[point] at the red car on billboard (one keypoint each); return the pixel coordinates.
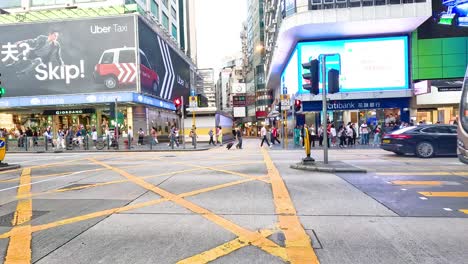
(117, 67)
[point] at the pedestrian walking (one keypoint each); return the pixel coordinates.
(275, 136)
(154, 135)
(377, 135)
(263, 134)
(193, 135)
(239, 138)
(297, 136)
(220, 135)
(210, 133)
(60, 139)
(364, 130)
(333, 135)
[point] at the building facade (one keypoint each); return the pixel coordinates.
(374, 85)
(209, 91)
(54, 79)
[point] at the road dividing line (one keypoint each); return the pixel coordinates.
(247, 235)
(224, 249)
(19, 247)
(445, 194)
(465, 211)
(298, 244)
(432, 183)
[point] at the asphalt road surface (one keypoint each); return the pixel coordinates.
(236, 206)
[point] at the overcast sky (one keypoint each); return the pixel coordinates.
(219, 23)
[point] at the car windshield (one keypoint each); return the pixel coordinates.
(403, 130)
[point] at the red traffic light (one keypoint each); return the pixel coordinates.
(177, 102)
(297, 105)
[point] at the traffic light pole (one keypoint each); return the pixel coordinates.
(324, 111)
(182, 122)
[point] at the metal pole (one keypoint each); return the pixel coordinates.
(285, 139)
(182, 122)
(116, 127)
(324, 111)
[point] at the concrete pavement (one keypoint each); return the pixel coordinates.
(237, 206)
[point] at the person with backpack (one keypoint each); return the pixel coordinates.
(274, 137)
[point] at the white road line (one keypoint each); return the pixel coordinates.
(448, 209)
(51, 179)
(423, 198)
(404, 189)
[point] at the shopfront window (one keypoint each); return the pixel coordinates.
(10, 3)
(49, 2)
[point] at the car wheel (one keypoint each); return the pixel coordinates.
(155, 87)
(425, 150)
(110, 82)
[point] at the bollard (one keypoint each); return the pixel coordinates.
(26, 145)
(87, 142)
(151, 143)
(108, 145)
(129, 144)
(46, 144)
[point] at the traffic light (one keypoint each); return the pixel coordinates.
(297, 105)
(311, 76)
(178, 106)
(333, 81)
(2, 89)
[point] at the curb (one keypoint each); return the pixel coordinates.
(110, 150)
(10, 167)
(330, 169)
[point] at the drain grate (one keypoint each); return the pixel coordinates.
(5, 220)
(316, 244)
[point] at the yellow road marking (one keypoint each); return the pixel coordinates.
(19, 247)
(298, 244)
(445, 194)
(434, 183)
(465, 211)
(253, 237)
(129, 207)
(422, 173)
(117, 181)
(224, 249)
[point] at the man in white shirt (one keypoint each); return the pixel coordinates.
(263, 133)
(364, 134)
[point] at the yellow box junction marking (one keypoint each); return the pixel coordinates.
(465, 211)
(128, 207)
(445, 194)
(19, 247)
(252, 237)
(433, 183)
(298, 244)
(223, 249)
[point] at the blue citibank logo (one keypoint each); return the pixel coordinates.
(2, 143)
(316, 106)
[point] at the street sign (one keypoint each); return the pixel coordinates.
(2, 148)
(193, 102)
(285, 100)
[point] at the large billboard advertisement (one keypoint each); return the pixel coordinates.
(449, 19)
(163, 72)
(68, 57)
(362, 65)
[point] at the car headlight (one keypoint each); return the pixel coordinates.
(460, 143)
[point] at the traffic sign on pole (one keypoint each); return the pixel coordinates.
(285, 100)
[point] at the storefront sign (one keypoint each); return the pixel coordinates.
(357, 104)
(449, 89)
(69, 111)
(422, 87)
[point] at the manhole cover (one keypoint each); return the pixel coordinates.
(5, 220)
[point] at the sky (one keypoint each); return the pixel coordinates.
(218, 23)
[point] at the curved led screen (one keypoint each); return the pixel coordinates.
(367, 64)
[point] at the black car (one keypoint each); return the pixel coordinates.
(425, 141)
